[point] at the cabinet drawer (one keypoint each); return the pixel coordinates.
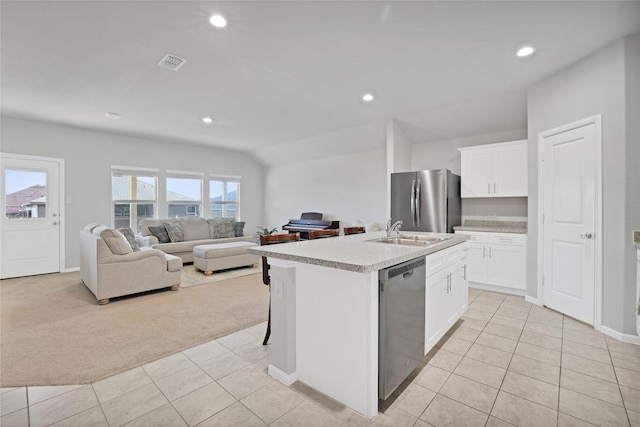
(442, 259)
(507, 239)
(476, 237)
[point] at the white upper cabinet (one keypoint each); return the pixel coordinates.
(494, 170)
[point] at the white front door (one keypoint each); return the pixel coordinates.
(30, 203)
(569, 222)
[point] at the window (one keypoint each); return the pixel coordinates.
(184, 196)
(25, 194)
(134, 196)
(224, 197)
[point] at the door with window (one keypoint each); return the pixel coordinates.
(31, 220)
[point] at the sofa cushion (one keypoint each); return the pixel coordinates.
(153, 222)
(221, 228)
(116, 242)
(174, 231)
(160, 232)
(238, 228)
(194, 228)
(131, 238)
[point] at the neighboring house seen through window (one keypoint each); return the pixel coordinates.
(184, 196)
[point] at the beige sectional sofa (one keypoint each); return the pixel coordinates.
(195, 231)
(110, 268)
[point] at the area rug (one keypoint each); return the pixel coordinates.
(191, 276)
(52, 332)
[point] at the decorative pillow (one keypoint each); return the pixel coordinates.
(194, 228)
(116, 241)
(174, 231)
(238, 228)
(131, 238)
(220, 228)
(161, 233)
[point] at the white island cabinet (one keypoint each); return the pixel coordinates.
(324, 309)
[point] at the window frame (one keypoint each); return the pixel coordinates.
(174, 174)
(225, 179)
(132, 172)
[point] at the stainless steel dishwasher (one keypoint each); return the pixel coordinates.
(401, 323)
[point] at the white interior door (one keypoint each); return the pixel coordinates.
(30, 197)
(569, 185)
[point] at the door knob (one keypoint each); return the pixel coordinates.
(55, 222)
(586, 235)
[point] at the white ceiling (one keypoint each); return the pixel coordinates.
(284, 73)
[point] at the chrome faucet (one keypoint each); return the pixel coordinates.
(391, 228)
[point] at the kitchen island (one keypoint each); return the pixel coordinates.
(324, 308)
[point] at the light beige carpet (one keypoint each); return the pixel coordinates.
(52, 332)
(191, 276)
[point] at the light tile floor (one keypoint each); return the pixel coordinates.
(507, 363)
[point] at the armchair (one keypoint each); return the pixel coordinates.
(108, 274)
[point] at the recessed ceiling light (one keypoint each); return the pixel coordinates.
(218, 21)
(367, 97)
(207, 120)
(525, 51)
(110, 115)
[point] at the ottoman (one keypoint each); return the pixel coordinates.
(220, 256)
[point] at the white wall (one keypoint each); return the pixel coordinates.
(348, 188)
(89, 156)
(595, 85)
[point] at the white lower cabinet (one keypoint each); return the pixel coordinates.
(497, 261)
(446, 292)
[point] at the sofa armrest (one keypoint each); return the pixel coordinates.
(134, 256)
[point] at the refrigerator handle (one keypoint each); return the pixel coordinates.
(413, 202)
(418, 203)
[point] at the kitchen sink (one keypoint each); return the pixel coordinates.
(412, 239)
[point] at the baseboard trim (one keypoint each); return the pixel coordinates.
(494, 288)
(284, 378)
(70, 270)
(532, 300)
(631, 339)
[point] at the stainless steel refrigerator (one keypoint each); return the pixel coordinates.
(427, 200)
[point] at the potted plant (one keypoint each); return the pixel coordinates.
(265, 231)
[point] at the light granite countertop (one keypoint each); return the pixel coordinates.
(519, 227)
(354, 252)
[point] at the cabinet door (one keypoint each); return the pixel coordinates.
(510, 171)
(477, 262)
(434, 327)
(507, 266)
(452, 304)
(476, 173)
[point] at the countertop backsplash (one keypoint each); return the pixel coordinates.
(494, 224)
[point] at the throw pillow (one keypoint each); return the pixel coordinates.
(222, 227)
(194, 228)
(131, 238)
(238, 228)
(116, 241)
(174, 231)
(161, 233)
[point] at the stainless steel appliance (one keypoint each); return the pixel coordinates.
(427, 200)
(401, 323)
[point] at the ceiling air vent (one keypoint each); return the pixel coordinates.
(172, 62)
